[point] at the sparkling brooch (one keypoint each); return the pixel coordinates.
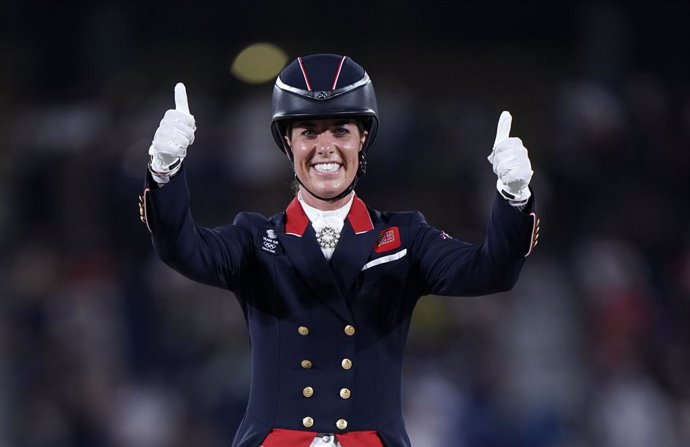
(327, 237)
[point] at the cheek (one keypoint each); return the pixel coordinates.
(353, 150)
(299, 152)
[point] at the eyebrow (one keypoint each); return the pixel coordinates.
(314, 124)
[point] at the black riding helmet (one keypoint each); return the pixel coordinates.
(324, 86)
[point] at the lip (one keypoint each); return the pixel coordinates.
(313, 165)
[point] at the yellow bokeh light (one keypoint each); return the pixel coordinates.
(258, 63)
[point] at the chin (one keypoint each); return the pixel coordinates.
(327, 193)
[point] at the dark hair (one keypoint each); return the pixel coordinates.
(358, 122)
(294, 187)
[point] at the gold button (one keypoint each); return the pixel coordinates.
(346, 363)
(341, 424)
(303, 330)
(349, 330)
(308, 422)
(345, 393)
(306, 364)
(308, 391)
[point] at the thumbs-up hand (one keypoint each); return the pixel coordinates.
(174, 134)
(511, 163)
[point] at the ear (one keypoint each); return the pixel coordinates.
(288, 141)
(363, 138)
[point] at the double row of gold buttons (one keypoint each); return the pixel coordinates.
(308, 391)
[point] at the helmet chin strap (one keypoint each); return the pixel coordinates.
(347, 190)
(361, 170)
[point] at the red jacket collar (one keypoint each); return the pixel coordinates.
(297, 219)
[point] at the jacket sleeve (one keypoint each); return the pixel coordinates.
(214, 256)
(452, 267)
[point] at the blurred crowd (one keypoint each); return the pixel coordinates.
(101, 345)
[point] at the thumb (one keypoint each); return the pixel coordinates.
(181, 103)
(503, 130)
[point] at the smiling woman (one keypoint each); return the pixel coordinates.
(328, 286)
(325, 86)
(325, 155)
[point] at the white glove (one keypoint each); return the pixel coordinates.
(175, 133)
(511, 163)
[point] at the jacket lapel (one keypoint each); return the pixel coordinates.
(301, 247)
(355, 245)
(352, 252)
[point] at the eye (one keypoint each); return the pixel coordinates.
(307, 133)
(340, 131)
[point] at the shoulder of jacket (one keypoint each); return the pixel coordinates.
(403, 218)
(250, 219)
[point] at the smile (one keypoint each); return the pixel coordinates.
(326, 168)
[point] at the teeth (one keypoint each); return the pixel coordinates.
(326, 167)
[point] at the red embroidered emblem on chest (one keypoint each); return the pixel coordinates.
(388, 239)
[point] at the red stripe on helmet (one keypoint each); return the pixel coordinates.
(304, 73)
(337, 73)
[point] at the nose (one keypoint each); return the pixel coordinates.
(325, 144)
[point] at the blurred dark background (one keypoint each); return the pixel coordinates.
(102, 345)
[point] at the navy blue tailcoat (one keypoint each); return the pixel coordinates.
(327, 338)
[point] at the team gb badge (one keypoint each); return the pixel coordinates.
(269, 241)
